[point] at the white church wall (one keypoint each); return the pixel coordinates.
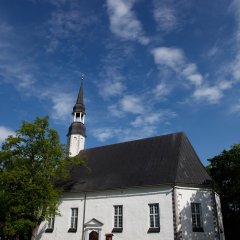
(100, 206)
(184, 198)
(135, 202)
(63, 221)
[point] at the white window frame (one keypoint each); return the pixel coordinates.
(74, 218)
(154, 216)
(118, 216)
(196, 210)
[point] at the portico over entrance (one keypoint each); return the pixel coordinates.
(93, 230)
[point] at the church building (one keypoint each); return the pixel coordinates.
(148, 189)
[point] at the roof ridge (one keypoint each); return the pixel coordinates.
(135, 140)
(185, 140)
(178, 154)
(199, 160)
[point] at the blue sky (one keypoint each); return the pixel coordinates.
(151, 67)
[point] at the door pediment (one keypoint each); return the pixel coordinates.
(93, 223)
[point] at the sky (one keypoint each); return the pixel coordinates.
(150, 67)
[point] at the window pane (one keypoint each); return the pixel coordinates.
(120, 221)
(151, 221)
(151, 209)
(120, 210)
(156, 221)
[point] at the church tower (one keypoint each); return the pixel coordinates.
(77, 130)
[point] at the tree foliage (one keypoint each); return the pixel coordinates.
(225, 170)
(30, 163)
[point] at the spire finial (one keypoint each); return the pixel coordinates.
(82, 77)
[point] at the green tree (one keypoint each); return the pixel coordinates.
(225, 170)
(30, 164)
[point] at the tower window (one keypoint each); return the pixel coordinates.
(77, 117)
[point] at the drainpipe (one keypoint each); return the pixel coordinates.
(84, 208)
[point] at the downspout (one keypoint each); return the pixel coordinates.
(84, 208)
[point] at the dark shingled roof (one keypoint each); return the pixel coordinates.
(168, 159)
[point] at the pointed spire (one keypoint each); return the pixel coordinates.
(79, 106)
(80, 95)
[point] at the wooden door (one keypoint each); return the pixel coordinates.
(93, 235)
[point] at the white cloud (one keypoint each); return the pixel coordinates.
(229, 75)
(62, 103)
(175, 59)
(14, 68)
(213, 51)
(5, 29)
(4, 133)
(104, 134)
(191, 73)
(145, 125)
(195, 78)
(151, 119)
(111, 87)
(27, 80)
(17, 73)
(139, 133)
(224, 85)
(111, 77)
(116, 111)
(161, 90)
(67, 21)
(146, 119)
(234, 66)
(132, 104)
(165, 15)
(235, 108)
(123, 22)
(210, 94)
(171, 57)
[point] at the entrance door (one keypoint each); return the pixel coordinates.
(93, 235)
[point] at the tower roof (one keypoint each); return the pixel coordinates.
(77, 128)
(79, 106)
